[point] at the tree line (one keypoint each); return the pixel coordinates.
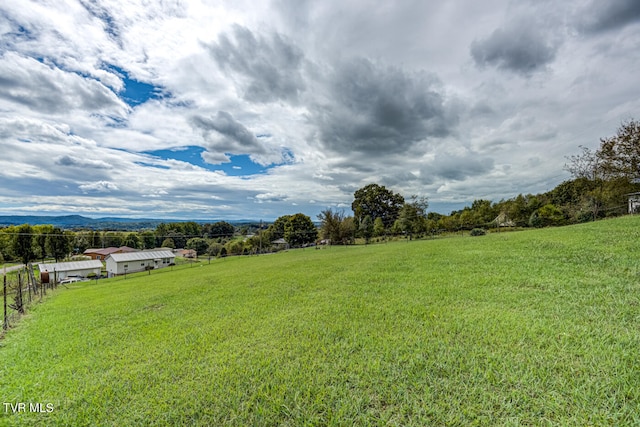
(28, 243)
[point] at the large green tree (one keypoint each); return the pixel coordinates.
(23, 245)
(191, 229)
(619, 155)
(148, 239)
(366, 228)
(7, 236)
(376, 201)
(58, 243)
(219, 229)
(112, 239)
(132, 240)
(179, 239)
(277, 229)
(300, 230)
(198, 244)
(336, 227)
(412, 218)
(80, 242)
(40, 239)
(590, 171)
(168, 243)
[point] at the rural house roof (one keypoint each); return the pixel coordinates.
(69, 266)
(141, 256)
(110, 250)
(187, 253)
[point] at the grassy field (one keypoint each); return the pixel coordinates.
(538, 327)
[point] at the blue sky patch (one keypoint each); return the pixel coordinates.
(136, 92)
(240, 165)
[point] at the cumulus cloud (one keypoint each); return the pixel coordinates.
(270, 197)
(28, 129)
(226, 136)
(270, 66)
(609, 15)
(457, 166)
(399, 178)
(378, 110)
(46, 88)
(73, 161)
(98, 187)
(523, 46)
(108, 20)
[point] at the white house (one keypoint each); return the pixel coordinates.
(64, 270)
(132, 262)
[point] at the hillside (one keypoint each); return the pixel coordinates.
(530, 328)
(80, 222)
(108, 223)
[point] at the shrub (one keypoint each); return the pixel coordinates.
(214, 249)
(478, 232)
(548, 215)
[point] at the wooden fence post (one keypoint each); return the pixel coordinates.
(19, 306)
(26, 272)
(5, 325)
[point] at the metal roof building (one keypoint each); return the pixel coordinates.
(138, 261)
(62, 270)
(103, 253)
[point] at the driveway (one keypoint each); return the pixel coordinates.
(12, 268)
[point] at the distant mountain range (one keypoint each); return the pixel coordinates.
(69, 222)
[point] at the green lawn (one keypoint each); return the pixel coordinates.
(537, 327)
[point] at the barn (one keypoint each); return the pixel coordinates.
(138, 261)
(65, 270)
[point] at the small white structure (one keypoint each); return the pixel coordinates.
(64, 270)
(634, 203)
(138, 261)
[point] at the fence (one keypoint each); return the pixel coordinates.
(179, 264)
(19, 291)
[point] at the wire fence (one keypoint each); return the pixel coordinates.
(20, 290)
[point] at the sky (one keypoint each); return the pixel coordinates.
(197, 109)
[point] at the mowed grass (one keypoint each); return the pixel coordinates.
(536, 328)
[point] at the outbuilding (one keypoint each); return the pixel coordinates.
(132, 262)
(103, 253)
(634, 202)
(63, 270)
(280, 244)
